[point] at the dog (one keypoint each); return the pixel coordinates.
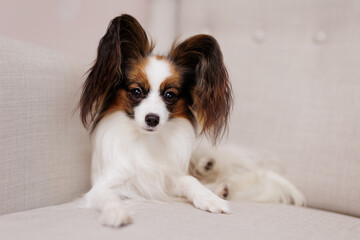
(236, 174)
(146, 114)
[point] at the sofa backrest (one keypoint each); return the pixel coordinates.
(295, 69)
(44, 151)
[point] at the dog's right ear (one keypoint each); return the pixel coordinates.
(125, 40)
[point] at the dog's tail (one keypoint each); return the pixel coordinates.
(265, 186)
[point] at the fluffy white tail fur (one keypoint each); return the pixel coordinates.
(265, 186)
(233, 173)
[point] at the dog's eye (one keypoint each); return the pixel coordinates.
(136, 93)
(170, 97)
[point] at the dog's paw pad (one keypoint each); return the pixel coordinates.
(209, 164)
(115, 216)
(205, 166)
(222, 191)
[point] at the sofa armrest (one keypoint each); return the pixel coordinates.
(44, 151)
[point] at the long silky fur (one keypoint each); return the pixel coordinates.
(202, 64)
(134, 159)
(124, 41)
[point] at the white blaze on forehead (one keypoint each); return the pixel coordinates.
(157, 71)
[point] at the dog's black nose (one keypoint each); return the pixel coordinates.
(152, 120)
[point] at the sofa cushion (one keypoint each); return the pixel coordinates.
(182, 221)
(295, 71)
(44, 150)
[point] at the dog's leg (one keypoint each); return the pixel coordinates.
(205, 166)
(104, 197)
(200, 196)
(222, 190)
(206, 171)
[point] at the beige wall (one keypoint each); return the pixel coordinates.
(71, 26)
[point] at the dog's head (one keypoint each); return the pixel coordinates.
(191, 82)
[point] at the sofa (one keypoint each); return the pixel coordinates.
(295, 73)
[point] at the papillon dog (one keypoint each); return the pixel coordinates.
(237, 174)
(147, 114)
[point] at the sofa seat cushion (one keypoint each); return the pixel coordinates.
(182, 221)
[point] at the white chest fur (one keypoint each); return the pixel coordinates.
(143, 162)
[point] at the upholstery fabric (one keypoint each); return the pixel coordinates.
(182, 221)
(44, 151)
(295, 69)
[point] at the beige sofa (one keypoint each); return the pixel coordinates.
(297, 98)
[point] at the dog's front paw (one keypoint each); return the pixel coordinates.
(115, 216)
(212, 203)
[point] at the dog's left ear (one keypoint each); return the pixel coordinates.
(201, 60)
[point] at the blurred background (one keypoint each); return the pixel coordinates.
(294, 65)
(71, 26)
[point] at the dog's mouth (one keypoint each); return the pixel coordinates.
(149, 129)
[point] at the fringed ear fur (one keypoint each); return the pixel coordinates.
(125, 40)
(201, 60)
